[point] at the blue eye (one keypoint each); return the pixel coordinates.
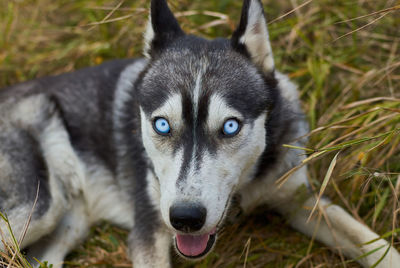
(231, 127)
(161, 126)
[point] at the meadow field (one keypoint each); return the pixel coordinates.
(343, 54)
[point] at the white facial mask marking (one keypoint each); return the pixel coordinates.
(213, 183)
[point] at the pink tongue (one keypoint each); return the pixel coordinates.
(192, 245)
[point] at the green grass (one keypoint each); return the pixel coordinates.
(349, 86)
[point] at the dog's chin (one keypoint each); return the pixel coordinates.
(195, 247)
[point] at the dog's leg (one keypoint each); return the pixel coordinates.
(149, 240)
(340, 230)
(71, 230)
(65, 175)
(153, 252)
(35, 148)
(335, 228)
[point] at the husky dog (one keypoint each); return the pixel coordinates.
(160, 146)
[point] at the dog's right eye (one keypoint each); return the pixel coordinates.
(161, 126)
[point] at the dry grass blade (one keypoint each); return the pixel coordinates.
(290, 12)
(368, 101)
(324, 184)
(357, 141)
(247, 248)
(282, 180)
(299, 148)
(113, 7)
(109, 14)
(360, 28)
(346, 120)
(380, 206)
(26, 226)
(386, 10)
(212, 24)
(109, 21)
(12, 257)
(17, 259)
(187, 13)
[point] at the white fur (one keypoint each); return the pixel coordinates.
(256, 38)
(27, 112)
(172, 111)
(105, 199)
(287, 88)
(168, 178)
(61, 159)
(219, 111)
(148, 38)
(196, 94)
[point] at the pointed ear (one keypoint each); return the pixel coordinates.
(251, 36)
(162, 28)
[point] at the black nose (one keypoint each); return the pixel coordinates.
(187, 217)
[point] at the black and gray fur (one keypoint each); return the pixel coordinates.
(85, 142)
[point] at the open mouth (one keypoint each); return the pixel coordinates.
(195, 246)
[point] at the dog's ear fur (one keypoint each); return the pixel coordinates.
(251, 36)
(162, 28)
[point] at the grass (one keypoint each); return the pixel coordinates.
(344, 55)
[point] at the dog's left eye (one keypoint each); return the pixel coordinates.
(161, 126)
(231, 127)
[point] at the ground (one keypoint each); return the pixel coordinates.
(344, 55)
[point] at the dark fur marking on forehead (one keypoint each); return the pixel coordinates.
(195, 137)
(151, 96)
(204, 139)
(251, 103)
(188, 136)
(187, 108)
(187, 139)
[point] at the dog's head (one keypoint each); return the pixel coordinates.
(204, 106)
